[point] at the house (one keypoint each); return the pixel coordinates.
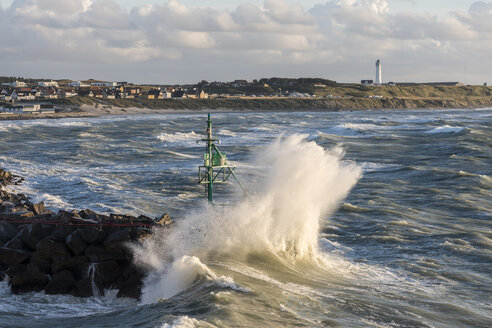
(133, 91)
(45, 84)
(22, 94)
(199, 94)
(155, 94)
(67, 93)
(126, 95)
(36, 93)
(12, 110)
(166, 94)
(15, 84)
(50, 93)
(85, 92)
(28, 109)
(78, 84)
(104, 84)
(47, 108)
(109, 94)
(367, 82)
(97, 93)
(178, 94)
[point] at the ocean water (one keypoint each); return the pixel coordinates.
(352, 219)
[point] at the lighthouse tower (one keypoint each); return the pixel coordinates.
(379, 79)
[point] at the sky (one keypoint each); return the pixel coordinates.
(186, 41)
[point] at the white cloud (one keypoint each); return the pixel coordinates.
(276, 35)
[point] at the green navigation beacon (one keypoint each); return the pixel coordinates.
(215, 168)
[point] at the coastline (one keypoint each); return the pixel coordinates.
(184, 106)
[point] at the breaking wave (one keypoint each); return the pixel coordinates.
(446, 129)
(303, 183)
(179, 137)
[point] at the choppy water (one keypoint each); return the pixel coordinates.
(410, 245)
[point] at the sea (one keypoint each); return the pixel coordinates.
(348, 219)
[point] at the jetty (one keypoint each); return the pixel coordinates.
(77, 252)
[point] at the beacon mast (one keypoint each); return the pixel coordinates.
(379, 79)
(215, 168)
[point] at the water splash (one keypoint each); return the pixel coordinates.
(91, 272)
(303, 183)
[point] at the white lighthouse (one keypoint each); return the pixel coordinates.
(379, 79)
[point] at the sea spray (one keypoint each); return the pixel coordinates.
(303, 183)
(91, 272)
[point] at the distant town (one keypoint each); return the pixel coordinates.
(23, 95)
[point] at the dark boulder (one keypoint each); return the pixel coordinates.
(118, 217)
(67, 216)
(61, 283)
(108, 272)
(145, 219)
(97, 254)
(49, 249)
(34, 232)
(78, 265)
(7, 232)
(87, 213)
(60, 232)
(92, 234)
(119, 236)
(130, 282)
(87, 287)
(15, 269)
(23, 197)
(83, 288)
(75, 243)
(31, 279)
(118, 251)
(11, 256)
(16, 242)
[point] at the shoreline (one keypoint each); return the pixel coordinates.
(119, 111)
(194, 106)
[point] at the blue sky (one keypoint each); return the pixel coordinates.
(184, 41)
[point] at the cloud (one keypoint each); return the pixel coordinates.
(277, 36)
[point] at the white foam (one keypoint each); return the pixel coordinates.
(181, 322)
(224, 132)
(41, 305)
(228, 282)
(52, 201)
(181, 154)
(446, 129)
(358, 127)
(168, 280)
(179, 137)
(373, 167)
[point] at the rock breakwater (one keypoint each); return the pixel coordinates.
(81, 253)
